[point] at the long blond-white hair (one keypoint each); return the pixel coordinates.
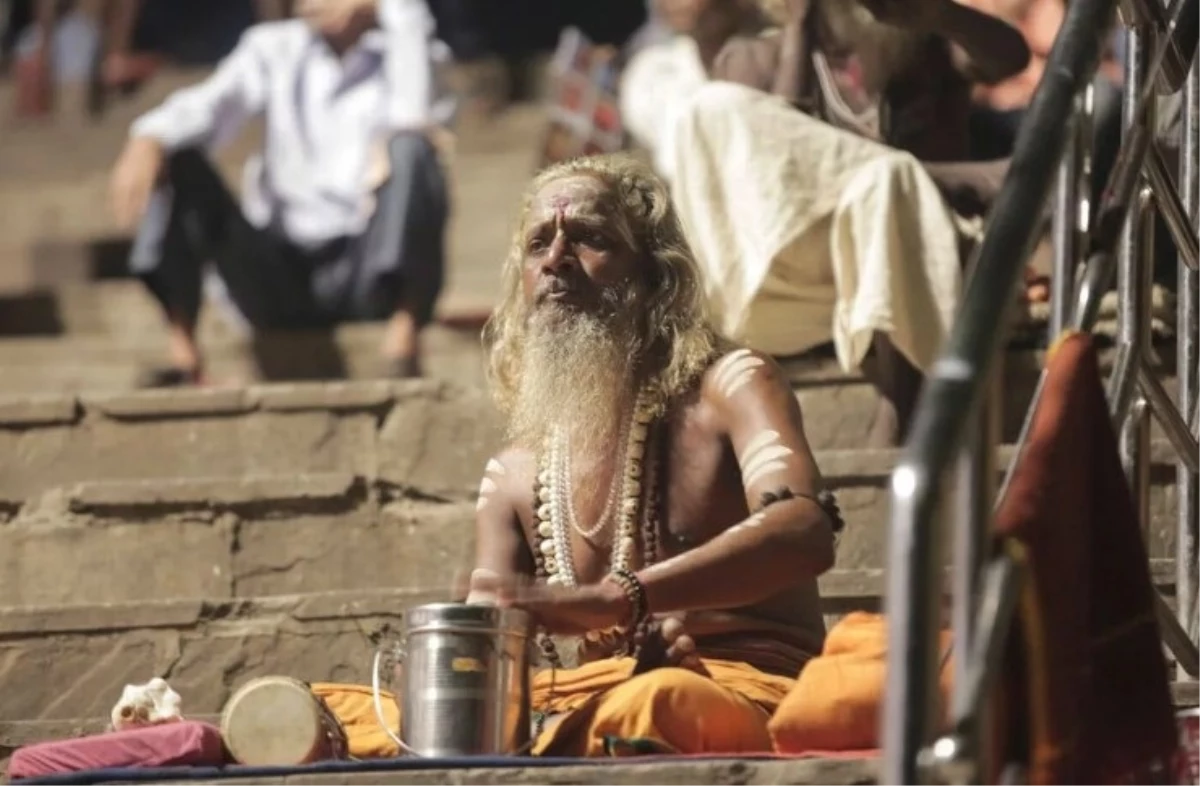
(675, 340)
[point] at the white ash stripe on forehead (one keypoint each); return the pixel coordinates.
(494, 467)
(764, 456)
(735, 370)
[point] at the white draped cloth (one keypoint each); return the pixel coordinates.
(656, 86)
(808, 234)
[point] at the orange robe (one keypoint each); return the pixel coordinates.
(667, 710)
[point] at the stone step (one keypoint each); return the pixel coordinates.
(74, 660)
(838, 407)
(66, 665)
(304, 502)
(33, 366)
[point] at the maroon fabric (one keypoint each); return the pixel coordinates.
(186, 743)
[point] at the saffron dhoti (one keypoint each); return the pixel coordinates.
(668, 710)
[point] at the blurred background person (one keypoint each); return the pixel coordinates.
(343, 214)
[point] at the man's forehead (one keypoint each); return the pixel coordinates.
(568, 195)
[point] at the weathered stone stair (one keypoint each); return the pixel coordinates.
(212, 536)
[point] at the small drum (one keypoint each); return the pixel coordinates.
(279, 721)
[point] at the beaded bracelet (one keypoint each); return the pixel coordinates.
(635, 592)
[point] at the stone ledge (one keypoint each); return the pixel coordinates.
(280, 397)
(333, 396)
(848, 466)
(40, 411)
(151, 404)
(839, 588)
(682, 771)
(43, 620)
(870, 583)
(105, 618)
(14, 734)
(218, 491)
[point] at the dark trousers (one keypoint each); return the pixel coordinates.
(193, 220)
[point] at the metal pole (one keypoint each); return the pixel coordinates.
(976, 494)
(953, 387)
(1134, 277)
(1069, 213)
(1187, 541)
(1063, 232)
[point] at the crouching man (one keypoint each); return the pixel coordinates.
(659, 497)
(343, 214)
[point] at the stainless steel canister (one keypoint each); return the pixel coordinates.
(462, 679)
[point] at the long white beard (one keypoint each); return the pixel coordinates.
(576, 375)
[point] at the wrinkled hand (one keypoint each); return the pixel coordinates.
(667, 643)
(912, 14)
(133, 179)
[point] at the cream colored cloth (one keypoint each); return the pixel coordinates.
(808, 234)
(655, 87)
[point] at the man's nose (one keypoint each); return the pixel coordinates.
(560, 254)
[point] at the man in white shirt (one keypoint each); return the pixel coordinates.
(343, 214)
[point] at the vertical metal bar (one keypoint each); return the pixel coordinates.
(1134, 277)
(1072, 212)
(1065, 228)
(976, 493)
(1187, 539)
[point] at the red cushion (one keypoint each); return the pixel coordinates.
(183, 743)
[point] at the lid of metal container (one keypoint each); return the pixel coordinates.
(434, 616)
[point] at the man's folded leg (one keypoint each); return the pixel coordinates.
(668, 710)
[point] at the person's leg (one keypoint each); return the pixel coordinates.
(35, 70)
(898, 383)
(665, 710)
(191, 220)
(401, 258)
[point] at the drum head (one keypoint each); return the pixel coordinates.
(273, 722)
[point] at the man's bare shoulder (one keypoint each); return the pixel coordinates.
(741, 371)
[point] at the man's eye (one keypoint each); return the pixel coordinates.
(536, 245)
(596, 240)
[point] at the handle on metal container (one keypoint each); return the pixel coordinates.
(375, 694)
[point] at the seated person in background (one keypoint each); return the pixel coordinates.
(831, 223)
(659, 79)
(653, 470)
(345, 214)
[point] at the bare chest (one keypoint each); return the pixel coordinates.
(691, 492)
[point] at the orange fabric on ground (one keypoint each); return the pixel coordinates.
(675, 708)
(354, 708)
(836, 702)
(1083, 696)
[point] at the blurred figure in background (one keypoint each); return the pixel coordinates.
(344, 214)
(817, 182)
(661, 77)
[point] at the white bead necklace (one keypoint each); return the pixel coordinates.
(554, 500)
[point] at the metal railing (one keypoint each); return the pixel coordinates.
(955, 423)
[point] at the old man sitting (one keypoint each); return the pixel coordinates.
(658, 495)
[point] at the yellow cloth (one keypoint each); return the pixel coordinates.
(675, 709)
(836, 702)
(355, 710)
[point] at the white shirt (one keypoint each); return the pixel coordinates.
(326, 117)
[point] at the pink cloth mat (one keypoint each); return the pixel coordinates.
(186, 743)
